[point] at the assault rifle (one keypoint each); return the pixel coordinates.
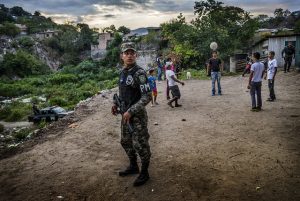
(121, 110)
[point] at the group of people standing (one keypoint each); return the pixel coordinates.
(258, 69)
(137, 89)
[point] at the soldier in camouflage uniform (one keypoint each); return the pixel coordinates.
(135, 94)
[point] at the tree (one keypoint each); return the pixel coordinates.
(5, 17)
(18, 11)
(9, 29)
(262, 17)
(110, 29)
(23, 64)
(4, 14)
(3, 8)
(37, 13)
(231, 27)
(286, 13)
(86, 36)
(124, 30)
(278, 13)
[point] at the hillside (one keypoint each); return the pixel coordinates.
(51, 44)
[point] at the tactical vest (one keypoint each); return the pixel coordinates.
(129, 91)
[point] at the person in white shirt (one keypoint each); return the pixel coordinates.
(171, 77)
(272, 70)
(255, 78)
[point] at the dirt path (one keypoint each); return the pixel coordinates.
(221, 152)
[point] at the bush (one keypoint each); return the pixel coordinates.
(58, 101)
(9, 29)
(16, 89)
(22, 134)
(15, 115)
(23, 64)
(15, 111)
(26, 42)
(42, 124)
(60, 78)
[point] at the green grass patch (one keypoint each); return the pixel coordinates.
(196, 74)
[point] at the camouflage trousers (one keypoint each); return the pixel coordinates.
(136, 142)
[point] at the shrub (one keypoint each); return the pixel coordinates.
(22, 134)
(23, 64)
(15, 111)
(16, 89)
(15, 115)
(58, 101)
(42, 124)
(26, 42)
(4, 112)
(60, 78)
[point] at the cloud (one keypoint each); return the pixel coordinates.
(109, 16)
(134, 13)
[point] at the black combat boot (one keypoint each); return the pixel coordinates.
(133, 168)
(144, 175)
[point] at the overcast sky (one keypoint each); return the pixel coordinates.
(135, 13)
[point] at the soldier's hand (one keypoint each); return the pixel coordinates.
(114, 110)
(249, 86)
(126, 117)
(182, 83)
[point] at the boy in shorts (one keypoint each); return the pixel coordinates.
(152, 83)
(171, 77)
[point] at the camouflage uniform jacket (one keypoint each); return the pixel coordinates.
(134, 89)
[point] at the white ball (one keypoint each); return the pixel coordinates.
(213, 45)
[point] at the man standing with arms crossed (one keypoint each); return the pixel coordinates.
(135, 94)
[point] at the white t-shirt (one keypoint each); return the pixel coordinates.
(169, 73)
(258, 68)
(272, 64)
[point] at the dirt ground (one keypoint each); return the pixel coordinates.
(221, 152)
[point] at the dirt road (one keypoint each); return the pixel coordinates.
(221, 152)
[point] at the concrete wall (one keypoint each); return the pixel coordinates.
(146, 58)
(98, 51)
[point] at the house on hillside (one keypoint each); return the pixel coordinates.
(46, 34)
(276, 43)
(140, 32)
(23, 29)
(99, 51)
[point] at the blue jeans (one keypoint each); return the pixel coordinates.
(216, 76)
(256, 89)
(159, 73)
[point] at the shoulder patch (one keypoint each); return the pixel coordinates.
(142, 79)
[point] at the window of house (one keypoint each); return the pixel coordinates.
(293, 43)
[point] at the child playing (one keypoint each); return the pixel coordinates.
(272, 70)
(255, 78)
(168, 63)
(171, 77)
(152, 83)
